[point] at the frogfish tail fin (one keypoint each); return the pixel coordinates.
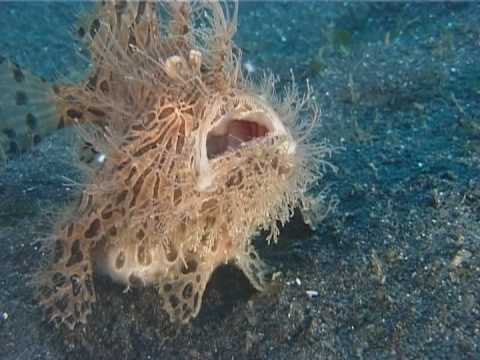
(28, 109)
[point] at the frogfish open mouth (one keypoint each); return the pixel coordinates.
(190, 157)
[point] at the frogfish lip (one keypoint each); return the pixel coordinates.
(234, 130)
(238, 129)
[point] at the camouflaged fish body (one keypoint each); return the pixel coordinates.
(194, 159)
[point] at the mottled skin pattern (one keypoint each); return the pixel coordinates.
(193, 159)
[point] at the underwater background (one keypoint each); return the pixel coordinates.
(393, 273)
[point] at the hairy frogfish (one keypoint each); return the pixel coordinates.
(191, 157)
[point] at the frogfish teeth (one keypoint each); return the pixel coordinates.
(196, 159)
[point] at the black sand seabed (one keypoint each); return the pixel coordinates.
(396, 268)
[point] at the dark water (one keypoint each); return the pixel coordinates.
(395, 269)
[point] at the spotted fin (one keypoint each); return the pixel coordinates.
(130, 22)
(27, 109)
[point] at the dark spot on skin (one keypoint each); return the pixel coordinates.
(45, 292)
(140, 234)
(94, 27)
(120, 8)
(135, 281)
(148, 119)
(121, 197)
(190, 267)
(92, 82)
(186, 314)
(31, 121)
(143, 150)
(120, 260)
(49, 311)
(21, 98)
(138, 186)
(61, 123)
(70, 321)
(96, 112)
(123, 164)
(74, 114)
(166, 113)
(76, 254)
(59, 279)
(195, 300)
(132, 40)
(84, 307)
(185, 29)
(131, 174)
(187, 291)
(58, 251)
(10, 133)
(77, 310)
(112, 231)
(104, 87)
(89, 285)
(81, 32)
(143, 256)
(174, 301)
(70, 229)
(93, 229)
(156, 187)
(140, 11)
(171, 253)
(62, 303)
(76, 285)
(87, 152)
(56, 89)
(177, 196)
(18, 74)
(107, 213)
(36, 139)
